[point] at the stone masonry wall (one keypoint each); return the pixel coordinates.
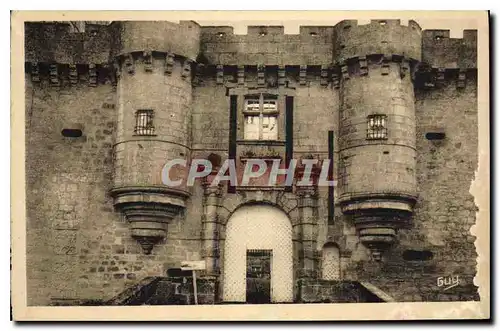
(210, 119)
(78, 246)
(69, 214)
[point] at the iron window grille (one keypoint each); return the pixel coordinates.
(144, 122)
(377, 127)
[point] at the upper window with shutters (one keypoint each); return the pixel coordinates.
(261, 118)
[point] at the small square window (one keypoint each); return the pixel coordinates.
(377, 128)
(144, 122)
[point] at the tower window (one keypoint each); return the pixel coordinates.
(144, 122)
(261, 119)
(377, 128)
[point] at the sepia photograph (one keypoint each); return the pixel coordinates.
(222, 161)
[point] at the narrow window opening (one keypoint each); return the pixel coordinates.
(435, 135)
(71, 132)
(382, 22)
(144, 122)
(313, 34)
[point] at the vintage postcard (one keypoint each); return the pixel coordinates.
(250, 165)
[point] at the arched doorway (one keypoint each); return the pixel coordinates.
(330, 262)
(258, 247)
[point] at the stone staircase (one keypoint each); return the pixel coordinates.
(334, 291)
(179, 291)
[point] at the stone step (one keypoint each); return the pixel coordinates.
(179, 291)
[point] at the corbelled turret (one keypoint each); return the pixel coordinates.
(377, 126)
(153, 62)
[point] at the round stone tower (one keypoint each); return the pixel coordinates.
(153, 67)
(377, 159)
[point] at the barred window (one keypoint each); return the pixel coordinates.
(377, 128)
(261, 119)
(144, 122)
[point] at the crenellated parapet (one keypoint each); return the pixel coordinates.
(447, 60)
(328, 53)
(267, 44)
(378, 37)
(182, 39)
(441, 51)
(60, 55)
(48, 42)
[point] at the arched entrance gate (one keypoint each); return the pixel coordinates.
(258, 256)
